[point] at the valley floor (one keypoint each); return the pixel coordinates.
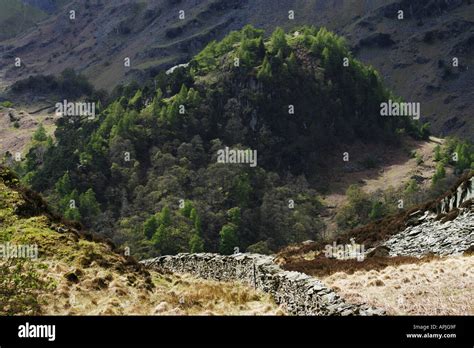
(396, 167)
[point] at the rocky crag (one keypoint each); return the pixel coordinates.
(299, 294)
(435, 237)
(446, 228)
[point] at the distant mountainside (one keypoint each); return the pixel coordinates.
(151, 33)
(48, 6)
(16, 17)
(414, 55)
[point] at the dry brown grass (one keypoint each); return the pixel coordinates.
(439, 287)
(107, 292)
(319, 265)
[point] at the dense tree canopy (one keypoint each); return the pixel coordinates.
(145, 171)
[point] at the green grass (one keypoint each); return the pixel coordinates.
(6, 104)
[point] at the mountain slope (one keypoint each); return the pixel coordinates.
(69, 271)
(399, 229)
(420, 48)
(48, 6)
(416, 57)
(16, 17)
(150, 33)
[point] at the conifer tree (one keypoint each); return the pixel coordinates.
(439, 174)
(196, 244)
(292, 62)
(63, 185)
(265, 72)
(137, 99)
(278, 41)
(165, 216)
(437, 153)
(228, 239)
(72, 214)
(150, 226)
(261, 48)
(40, 134)
(187, 209)
(88, 205)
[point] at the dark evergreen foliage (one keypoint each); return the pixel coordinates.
(156, 145)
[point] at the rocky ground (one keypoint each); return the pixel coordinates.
(437, 237)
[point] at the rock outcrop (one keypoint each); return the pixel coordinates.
(440, 237)
(299, 294)
(463, 193)
(446, 228)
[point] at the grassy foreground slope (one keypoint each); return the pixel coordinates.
(441, 286)
(75, 273)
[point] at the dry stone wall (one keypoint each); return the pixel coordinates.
(299, 294)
